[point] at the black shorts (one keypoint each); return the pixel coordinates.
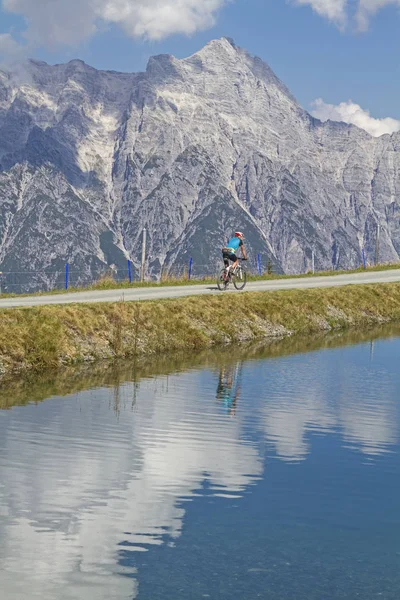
(227, 256)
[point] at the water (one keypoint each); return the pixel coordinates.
(257, 473)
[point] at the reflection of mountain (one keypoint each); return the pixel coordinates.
(85, 486)
(81, 485)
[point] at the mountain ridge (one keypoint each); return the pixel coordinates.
(189, 149)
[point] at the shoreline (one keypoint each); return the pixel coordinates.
(36, 387)
(48, 337)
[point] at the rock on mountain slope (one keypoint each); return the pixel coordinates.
(191, 149)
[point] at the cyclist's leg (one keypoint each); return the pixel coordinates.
(225, 257)
(234, 260)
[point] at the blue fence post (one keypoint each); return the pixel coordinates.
(66, 276)
(190, 268)
(130, 271)
(364, 259)
(259, 264)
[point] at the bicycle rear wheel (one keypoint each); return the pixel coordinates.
(222, 283)
(240, 278)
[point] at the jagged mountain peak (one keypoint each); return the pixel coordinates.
(218, 53)
(222, 53)
(190, 149)
(227, 54)
(224, 46)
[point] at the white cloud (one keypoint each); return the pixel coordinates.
(334, 10)
(349, 112)
(7, 43)
(69, 22)
(10, 49)
(368, 8)
(338, 11)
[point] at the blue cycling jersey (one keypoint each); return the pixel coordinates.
(234, 244)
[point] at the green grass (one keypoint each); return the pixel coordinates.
(50, 336)
(108, 283)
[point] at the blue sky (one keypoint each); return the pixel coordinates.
(322, 55)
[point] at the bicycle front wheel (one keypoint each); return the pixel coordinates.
(222, 283)
(240, 279)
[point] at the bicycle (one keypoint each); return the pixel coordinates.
(237, 276)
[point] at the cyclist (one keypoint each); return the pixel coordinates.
(229, 252)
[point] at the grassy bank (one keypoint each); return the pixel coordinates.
(49, 336)
(35, 387)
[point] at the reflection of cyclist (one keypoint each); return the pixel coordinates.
(228, 390)
(233, 245)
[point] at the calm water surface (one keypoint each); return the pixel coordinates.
(264, 476)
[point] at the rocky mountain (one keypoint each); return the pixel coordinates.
(190, 150)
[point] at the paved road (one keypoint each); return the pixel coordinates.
(157, 293)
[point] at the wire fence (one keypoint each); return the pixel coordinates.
(72, 277)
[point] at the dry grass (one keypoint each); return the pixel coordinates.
(48, 336)
(34, 387)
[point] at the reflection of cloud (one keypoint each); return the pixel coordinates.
(372, 432)
(295, 404)
(80, 486)
(307, 395)
(366, 411)
(286, 425)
